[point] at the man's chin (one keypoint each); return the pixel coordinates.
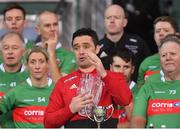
(113, 33)
(84, 66)
(12, 64)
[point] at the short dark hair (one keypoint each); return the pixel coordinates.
(168, 19)
(124, 53)
(88, 32)
(170, 38)
(14, 6)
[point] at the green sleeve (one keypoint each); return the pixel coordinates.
(68, 64)
(1, 58)
(141, 72)
(7, 101)
(135, 90)
(141, 102)
(30, 44)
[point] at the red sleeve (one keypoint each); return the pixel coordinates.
(118, 88)
(57, 114)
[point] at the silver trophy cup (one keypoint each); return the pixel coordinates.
(99, 114)
(91, 85)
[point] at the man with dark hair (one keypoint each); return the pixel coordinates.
(14, 20)
(66, 103)
(123, 61)
(14, 17)
(163, 26)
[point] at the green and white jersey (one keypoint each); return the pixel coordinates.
(134, 88)
(7, 82)
(150, 66)
(158, 101)
(10, 80)
(67, 60)
(28, 103)
(29, 44)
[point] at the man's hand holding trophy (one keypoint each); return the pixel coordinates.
(93, 85)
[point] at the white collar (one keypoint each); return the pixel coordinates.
(25, 40)
(3, 69)
(162, 76)
(28, 80)
(132, 84)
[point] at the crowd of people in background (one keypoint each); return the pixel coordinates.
(41, 83)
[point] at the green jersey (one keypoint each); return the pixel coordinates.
(150, 66)
(28, 103)
(29, 43)
(158, 101)
(67, 60)
(134, 88)
(7, 82)
(10, 80)
(1, 58)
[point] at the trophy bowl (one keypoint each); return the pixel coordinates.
(99, 114)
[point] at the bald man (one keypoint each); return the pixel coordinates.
(115, 38)
(62, 61)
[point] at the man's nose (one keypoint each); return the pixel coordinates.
(161, 34)
(53, 28)
(168, 56)
(112, 19)
(121, 70)
(10, 51)
(13, 21)
(81, 50)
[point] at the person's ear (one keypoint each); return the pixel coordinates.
(133, 68)
(37, 28)
(23, 50)
(125, 21)
(25, 23)
(97, 49)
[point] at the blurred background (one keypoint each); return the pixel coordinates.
(75, 14)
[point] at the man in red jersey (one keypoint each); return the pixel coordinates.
(65, 104)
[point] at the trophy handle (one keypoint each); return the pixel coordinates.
(87, 114)
(112, 110)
